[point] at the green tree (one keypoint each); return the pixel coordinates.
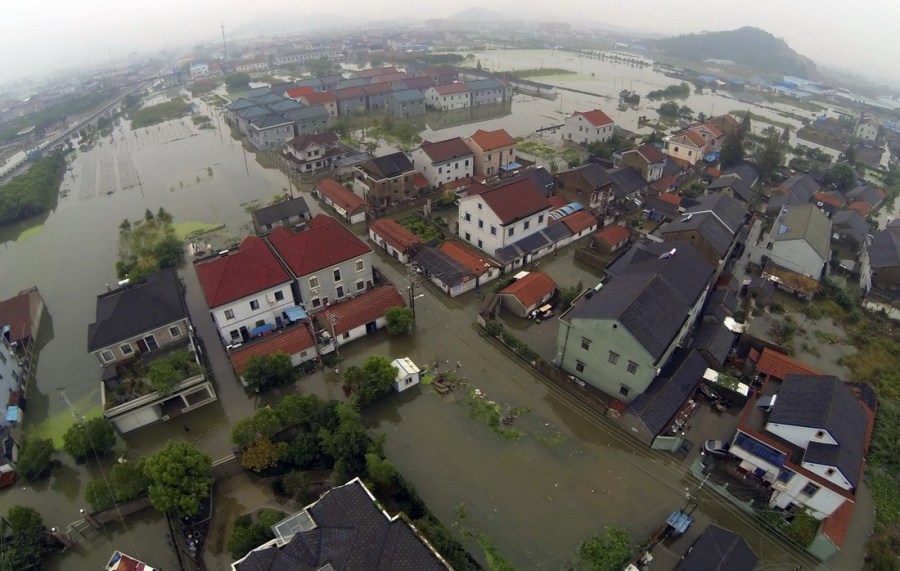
(294, 484)
(247, 536)
(380, 470)
(267, 371)
(373, 380)
(347, 444)
(169, 252)
(93, 436)
(259, 455)
(34, 457)
(179, 478)
(733, 149)
(399, 319)
(608, 551)
(236, 81)
(320, 67)
(303, 451)
(126, 481)
(842, 176)
(23, 544)
(267, 422)
(164, 377)
(850, 154)
(772, 155)
(669, 109)
(243, 432)
(297, 409)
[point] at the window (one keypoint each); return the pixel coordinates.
(526, 225)
(579, 366)
(512, 231)
(489, 156)
(820, 434)
(468, 217)
(468, 237)
(254, 305)
(360, 285)
(481, 223)
(785, 475)
(479, 243)
(613, 357)
(346, 335)
(810, 489)
(632, 367)
(585, 343)
(105, 356)
(126, 349)
(279, 295)
(313, 282)
(493, 230)
(337, 275)
(340, 292)
(467, 162)
(479, 206)
(540, 218)
(235, 334)
(229, 314)
(624, 390)
(360, 265)
(316, 302)
(175, 331)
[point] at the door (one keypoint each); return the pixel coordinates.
(245, 335)
(151, 342)
(371, 327)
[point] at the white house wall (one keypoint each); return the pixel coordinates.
(830, 473)
(800, 435)
(822, 504)
(579, 130)
(387, 247)
(246, 317)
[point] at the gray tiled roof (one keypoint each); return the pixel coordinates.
(664, 396)
(389, 166)
(280, 211)
(803, 186)
(705, 224)
(556, 232)
(804, 222)
(594, 175)
(745, 171)
(718, 549)
(686, 271)
(626, 180)
(823, 402)
(736, 184)
(728, 210)
(310, 112)
(884, 251)
(850, 223)
(137, 308)
(714, 338)
(489, 83)
(441, 266)
(351, 533)
(270, 120)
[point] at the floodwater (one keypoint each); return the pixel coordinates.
(537, 497)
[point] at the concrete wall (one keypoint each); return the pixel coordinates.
(353, 281)
(244, 316)
(579, 130)
(162, 335)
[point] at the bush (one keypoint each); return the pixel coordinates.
(96, 435)
(608, 551)
(34, 457)
(268, 371)
(399, 319)
(294, 484)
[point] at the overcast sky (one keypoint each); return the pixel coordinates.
(40, 37)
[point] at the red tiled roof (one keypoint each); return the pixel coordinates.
(339, 195)
(664, 183)
(777, 365)
(557, 202)
(530, 289)
(418, 83)
(827, 199)
(16, 312)
(862, 207)
(446, 150)
(836, 525)
(349, 93)
(489, 140)
(450, 88)
(296, 92)
(613, 234)
(389, 77)
(579, 221)
(419, 180)
(249, 269)
(512, 201)
(292, 340)
(713, 172)
(596, 117)
(376, 88)
(651, 153)
(394, 234)
(364, 308)
(374, 72)
(322, 244)
(694, 138)
(671, 198)
(319, 98)
(467, 258)
(715, 131)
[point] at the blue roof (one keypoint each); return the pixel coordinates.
(295, 313)
(262, 329)
(680, 521)
(510, 166)
(711, 157)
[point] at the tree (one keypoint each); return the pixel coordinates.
(259, 455)
(850, 154)
(669, 109)
(267, 371)
(296, 409)
(608, 551)
(34, 457)
(246, 537)
(234, 81)
(399, 319)
(179, 478)
(164, 377)
(347, 444)
(380, 469)
(243, 432)
(294, 484)
(733, 149)
(373, 380)
(93, 436)
(267, 422)
(23, 543)
(772, 155)
(842, 176)
(126, 482)
(169, 252)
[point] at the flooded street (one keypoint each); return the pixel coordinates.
(569, 475)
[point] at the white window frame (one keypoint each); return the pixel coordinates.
(126, 349)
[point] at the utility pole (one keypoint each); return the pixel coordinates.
(63, 396)
(332, 321)
(412, 278)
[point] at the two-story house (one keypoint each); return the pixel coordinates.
(867, 129)
(11, 374)
(882, 272)
(488, 91)
(310, 153)
(492, 217)
(687, 146)
(326, 99)
(711, 226)
(588, 184)
(444, 161)
(385, 180)
(586, 127)
(271, 130)
(405, 103)
(310, 119)
(647, 160)
(350, 100)
(327, 262)
(492, 150)
(440, 75)
(448, 97)
(618, 338)
(246, 289)
(800, 240)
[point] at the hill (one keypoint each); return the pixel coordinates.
(482, 15)
(749, 47)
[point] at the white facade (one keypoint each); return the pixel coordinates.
(266, 305)
(481, 227)
(579, 130)
(336, 283)
(199, 70)
(10, 370)
(867, 130)
(443, 172)
(407, 374)
(387, 247)
(447, 102)
(802, 436)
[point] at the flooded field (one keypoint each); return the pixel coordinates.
(537, 497)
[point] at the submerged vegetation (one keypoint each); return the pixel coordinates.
(33, 192)
(147, 246)
(147, 116)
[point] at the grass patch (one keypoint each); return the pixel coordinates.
(498, 417)
(30, 232)
(185, 230)
(427, 379)
(147, 116)
(55, 425)
(537, 148)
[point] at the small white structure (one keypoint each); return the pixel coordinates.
(407, 374)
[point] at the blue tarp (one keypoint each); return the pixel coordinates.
(262, 329)
(711, 157)
(295, 313)
(12, 414)
(510, 166)
(679, 521)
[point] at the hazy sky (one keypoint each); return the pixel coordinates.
(39, 37)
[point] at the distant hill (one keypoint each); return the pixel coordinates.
(482, 15)
(749, 47)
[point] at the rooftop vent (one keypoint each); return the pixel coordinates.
(668, 254)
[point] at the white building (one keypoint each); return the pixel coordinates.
(198, 70)
(448, 97)
(247, 291)
(586, 127)
(491, 218)
(444, 161)
(10, 369)
(867, 129)
(407, 374)
(801, 240)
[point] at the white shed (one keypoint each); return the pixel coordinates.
(407, 374)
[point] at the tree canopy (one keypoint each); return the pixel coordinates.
(147, 246)
(608, 551)
(772, 155)
(32, 192)
(842, 176)
(125, 481)
(399, 319)
(236, 81)
(267, 371)
(733, 149)
(34, 457)
(179, 478)
(95, 436)
(23, 543)
(371, 381)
